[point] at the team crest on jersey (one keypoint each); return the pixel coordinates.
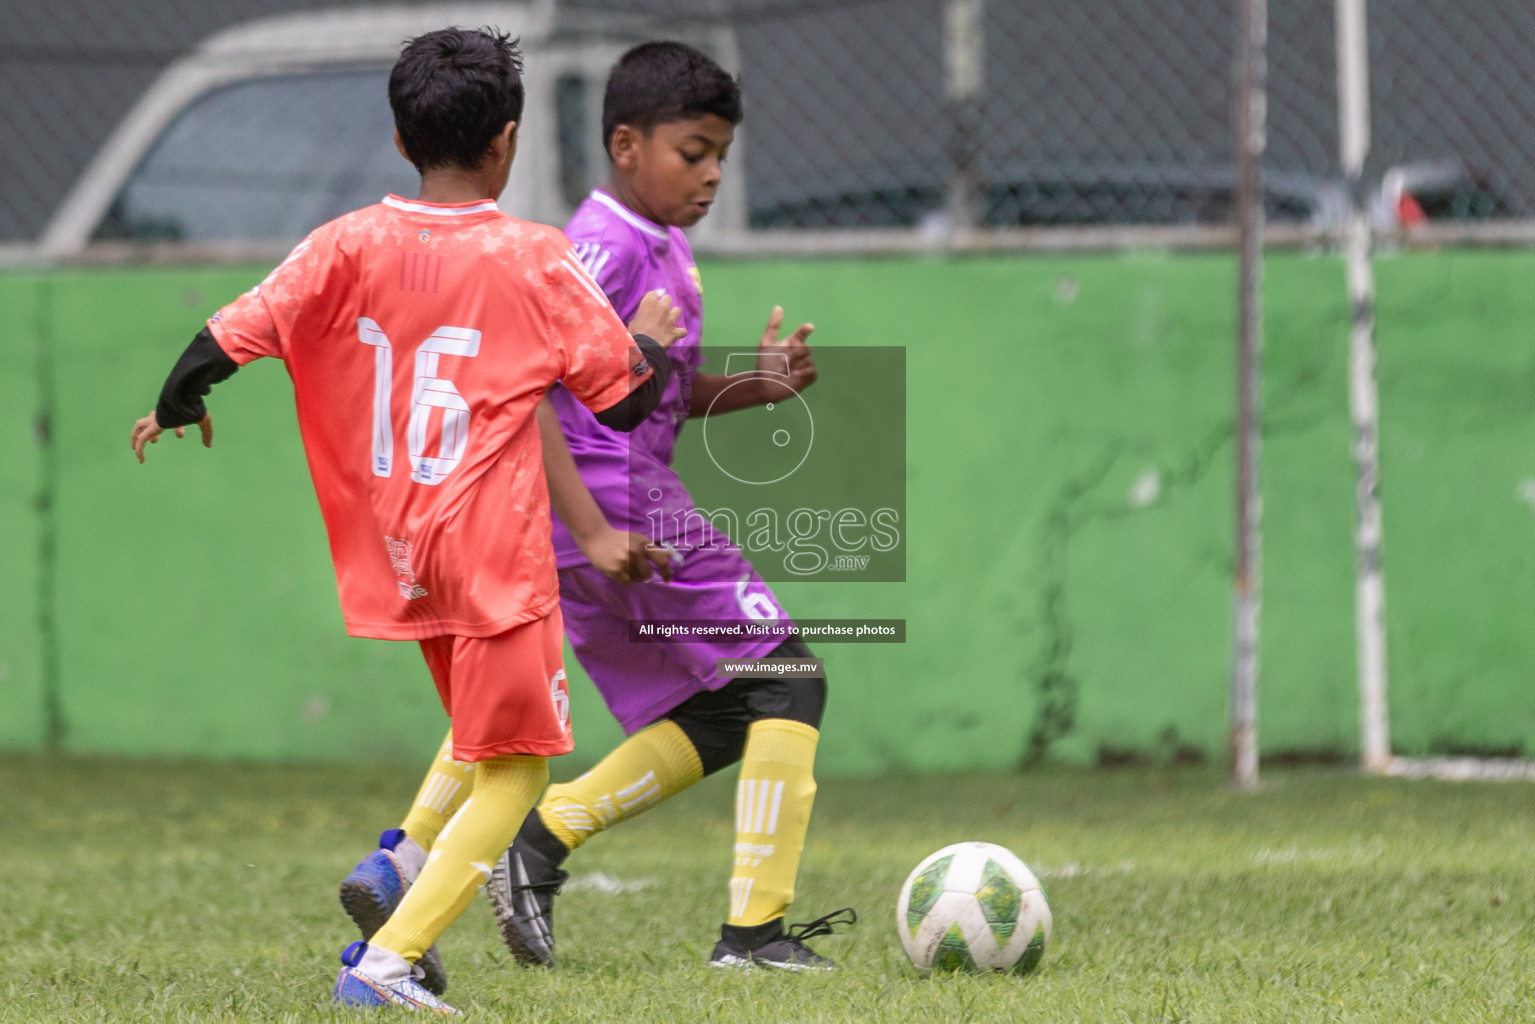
(399, 550)
(698, 279)
(426, 235)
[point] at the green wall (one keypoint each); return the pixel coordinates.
(1069, 502)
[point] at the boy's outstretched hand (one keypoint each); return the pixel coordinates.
(657, 318)
(788, 362)
(785, 367)
(148, 431)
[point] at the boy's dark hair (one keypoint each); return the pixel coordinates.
(659, 82)
(452, 92)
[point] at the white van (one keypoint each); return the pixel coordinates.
(271, 128)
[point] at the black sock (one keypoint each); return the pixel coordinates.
(537, 835)
(750, 937)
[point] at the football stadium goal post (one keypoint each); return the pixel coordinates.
(1251, 107)
(1364, 409)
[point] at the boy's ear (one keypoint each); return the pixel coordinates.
(503, 147)
(622, 145)
(399, 144)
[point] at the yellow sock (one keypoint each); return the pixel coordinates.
(773, 801)
(645, 769)
(461, 860)
(447, 785)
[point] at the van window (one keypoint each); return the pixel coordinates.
(269, 158)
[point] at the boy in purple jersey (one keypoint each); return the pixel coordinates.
(669, 116)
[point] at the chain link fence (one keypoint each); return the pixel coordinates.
(931, 114)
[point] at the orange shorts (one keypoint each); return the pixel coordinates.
(506, 694)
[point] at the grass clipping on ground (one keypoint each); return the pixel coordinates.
(207, 892)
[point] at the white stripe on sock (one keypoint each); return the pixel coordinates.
(762, 799)
(429, 794)
(642, 801)
(744, 819)
(772, 825)
(645, 781)
(576, 819)
(451, 791)
(451, 822)
(740, 895)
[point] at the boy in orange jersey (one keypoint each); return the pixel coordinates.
(420, 336)
(669, 117)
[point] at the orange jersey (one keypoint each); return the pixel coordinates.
(420, 338)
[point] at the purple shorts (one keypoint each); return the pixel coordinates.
(641, 682)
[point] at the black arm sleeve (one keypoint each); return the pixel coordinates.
(200, 367)
(633, 410)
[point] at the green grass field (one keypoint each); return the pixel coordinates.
(151, 890)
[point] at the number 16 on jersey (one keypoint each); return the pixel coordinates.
(428, 392)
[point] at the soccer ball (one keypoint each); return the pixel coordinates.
(973, 907)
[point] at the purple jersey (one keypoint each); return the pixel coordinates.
(629, 256)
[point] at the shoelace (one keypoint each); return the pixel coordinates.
(554, 885)
(827, 925)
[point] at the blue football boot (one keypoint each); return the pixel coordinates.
(372, 892)
(354, 987)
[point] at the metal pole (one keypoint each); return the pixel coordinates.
(1364, 398)
(1251, 116)
(964, 77)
